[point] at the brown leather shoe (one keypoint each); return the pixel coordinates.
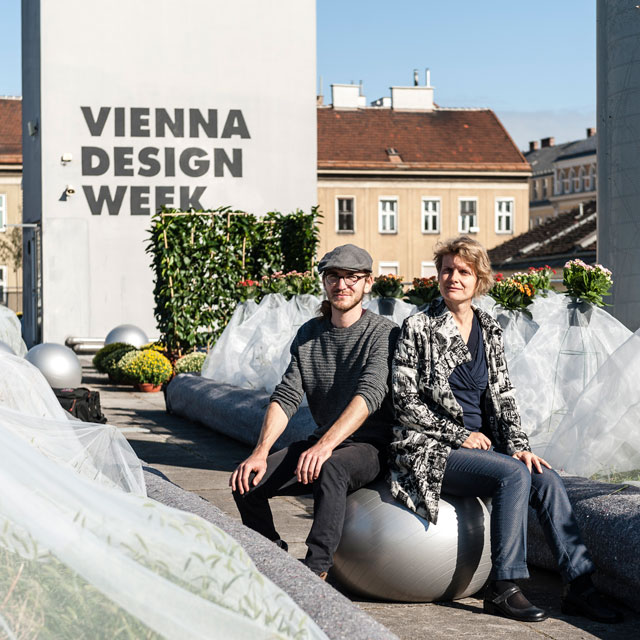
(323, 575)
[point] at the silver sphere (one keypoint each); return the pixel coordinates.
(5, 348)
(127, 333)
(390, 553)
(59, 364)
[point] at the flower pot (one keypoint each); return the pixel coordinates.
(148, 387)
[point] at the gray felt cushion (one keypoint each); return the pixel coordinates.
(609, 519)
(236, 412)
(332, 612)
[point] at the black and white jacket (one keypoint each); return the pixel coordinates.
(429, 348)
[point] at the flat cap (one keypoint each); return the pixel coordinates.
(348, 257)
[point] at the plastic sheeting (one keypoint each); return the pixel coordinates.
(600, 433)
(11, 331)
(253, 350)
(573, 341)
(391, 308)
(144, 567)
(30, 410)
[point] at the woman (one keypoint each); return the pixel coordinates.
(461, 435)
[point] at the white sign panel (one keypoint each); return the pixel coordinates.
(139, 105)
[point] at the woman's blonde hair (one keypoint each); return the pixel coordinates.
(473, 253)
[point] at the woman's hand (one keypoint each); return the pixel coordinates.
(477, 440)
(531, 460)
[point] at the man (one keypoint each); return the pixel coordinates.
(341, 361)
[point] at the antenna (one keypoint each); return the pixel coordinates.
(427, 73)
(416, 81)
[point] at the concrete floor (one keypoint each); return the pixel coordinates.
(200, 460)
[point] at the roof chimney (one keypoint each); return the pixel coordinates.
(591, 131)
(347, 96)
(547, 142)
(533, 145)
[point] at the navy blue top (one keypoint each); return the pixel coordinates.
(468, 381)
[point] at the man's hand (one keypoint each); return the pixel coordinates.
(311, 461)
(531, 460)
(239, 480)
(477, 440)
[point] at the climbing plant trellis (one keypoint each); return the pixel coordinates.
(199, 257)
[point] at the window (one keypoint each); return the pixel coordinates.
(544, 188)
(534, 190)
(3, 211)
(468, 219)
(592, 178)
(345, 215)
(568, 180)
(388, 215)
(428, 269)
(386, 268)
(559, 182)
(504, 215)
(576, 181)
(581, 179)
(430, 215)
(3, 285)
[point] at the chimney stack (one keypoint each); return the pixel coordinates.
(591, 131)
(547, 142)
(534, 145)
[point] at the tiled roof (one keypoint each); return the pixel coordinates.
(561, 235)
(443, 139)
(541, 160)
(10, 131)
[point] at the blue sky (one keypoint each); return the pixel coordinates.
(533, 63)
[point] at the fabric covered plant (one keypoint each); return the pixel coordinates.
(423, 291)
(387, 286)
(148, 366)
(191, 363)
(512, 294)
(586, 282)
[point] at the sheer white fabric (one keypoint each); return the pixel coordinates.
(253, 350)
(600, 433)
(11, 331)
(550, 373)
(391, 308)
(30, 410)
(162, 572)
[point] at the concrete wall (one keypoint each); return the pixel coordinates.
(618, 34)
(108, 84)
(410, 247)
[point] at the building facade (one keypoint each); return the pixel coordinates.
(11, 203)
(563, 176)
(399, 177)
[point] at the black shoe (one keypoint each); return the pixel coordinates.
(282, 544)
(511, 603)
(591, 604)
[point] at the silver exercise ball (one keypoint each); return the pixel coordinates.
(127, 333)
(390, 553)
(59, 364)
(5, 348)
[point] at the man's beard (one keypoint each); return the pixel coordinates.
(346, 304)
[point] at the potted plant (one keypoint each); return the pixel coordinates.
(389, 288)
(190, 363)
(423, 291)
(148, 370)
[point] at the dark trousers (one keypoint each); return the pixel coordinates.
(475, 472)
(351, 466)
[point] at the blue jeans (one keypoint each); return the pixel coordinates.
(475, 472)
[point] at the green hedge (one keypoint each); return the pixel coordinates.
(200, 256)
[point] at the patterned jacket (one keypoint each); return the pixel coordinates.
(429, 348)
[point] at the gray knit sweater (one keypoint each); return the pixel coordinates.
(333, 364)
